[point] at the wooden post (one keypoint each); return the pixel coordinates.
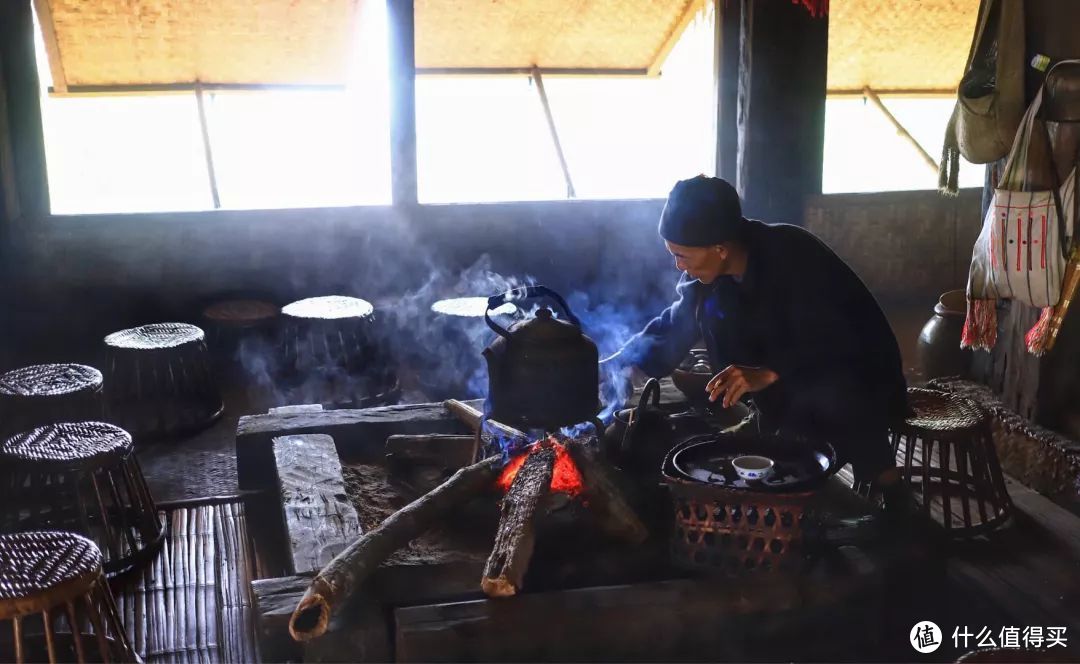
(727, 20)
(402, 39)
(781, 109)
(23, 110)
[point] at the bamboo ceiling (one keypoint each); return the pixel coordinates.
(915, 45)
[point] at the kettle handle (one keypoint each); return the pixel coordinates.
(525, 293)
(650, 391)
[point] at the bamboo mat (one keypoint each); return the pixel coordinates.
(192, 603)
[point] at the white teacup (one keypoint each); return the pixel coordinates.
(752, 467)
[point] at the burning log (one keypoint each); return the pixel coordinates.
(604, 496)
(336, 582)
(514, 540)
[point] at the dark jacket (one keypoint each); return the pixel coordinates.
(800, 311)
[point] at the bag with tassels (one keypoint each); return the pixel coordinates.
(1023, 248)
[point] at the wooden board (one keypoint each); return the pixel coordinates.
(319, 519)
(359, 434)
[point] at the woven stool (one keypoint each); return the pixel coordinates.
(46, 393)
(948, 458)
(329, 352)
(58, 605)
(228, 321)
(159, 379)
(82, 477)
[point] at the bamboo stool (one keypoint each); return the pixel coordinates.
(329, 353)
(46, 393)
(56, 601)
(82, 477)
(228, 322)
(948, 458)
(160, 381)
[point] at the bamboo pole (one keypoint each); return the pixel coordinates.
(539, 79)
(206, 146)
(876, 100)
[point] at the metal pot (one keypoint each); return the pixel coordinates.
(543, 372)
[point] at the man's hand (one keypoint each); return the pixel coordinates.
(735, 381)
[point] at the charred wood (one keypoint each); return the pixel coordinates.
(514, 540)
(343, 575)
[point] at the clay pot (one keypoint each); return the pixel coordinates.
(939, 341)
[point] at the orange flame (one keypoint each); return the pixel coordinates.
(565, 476)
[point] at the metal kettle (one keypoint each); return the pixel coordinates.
(543, 372)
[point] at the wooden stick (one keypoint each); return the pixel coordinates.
(900, 129)
(439, 449)
(605, 497)
(471, 418)
(336, 582)
(509, 560)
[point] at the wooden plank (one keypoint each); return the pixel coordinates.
(319, 519)
(665, 619)
(359, 434)
(449, 452)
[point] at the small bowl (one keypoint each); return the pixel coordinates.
(752, 468)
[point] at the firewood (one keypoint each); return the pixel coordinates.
(509, 560)
(342, 576)
(471, 417)
(605, 497)
(435, 449)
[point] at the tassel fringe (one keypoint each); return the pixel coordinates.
(1038, 337)
(980, 326)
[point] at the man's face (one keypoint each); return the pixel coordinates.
(702, 263)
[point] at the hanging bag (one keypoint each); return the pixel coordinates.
(990, 97)
(1026, 237)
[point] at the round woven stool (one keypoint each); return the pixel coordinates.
(58, 605)
(47, 393)
(227, 322)
(948, 458)
(159, 380)
(82, 477)
(330, 355)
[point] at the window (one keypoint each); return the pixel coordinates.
(486, 138)
(271, 148)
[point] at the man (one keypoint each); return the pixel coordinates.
(787, 322)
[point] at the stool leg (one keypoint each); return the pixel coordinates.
(964, 488)
(946, 480)
(50, 638)
(99, 628)
(76, 631)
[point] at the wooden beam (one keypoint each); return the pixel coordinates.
(207, 149)
(933, 93)
(185, 88)
(402, 39)
(319, 520)
(52, 45)
(900, 129)
(677, 30)
(527, 71)
(539, 80)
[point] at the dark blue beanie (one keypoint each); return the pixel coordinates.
(701, 212)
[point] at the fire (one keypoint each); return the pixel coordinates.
(565, 476)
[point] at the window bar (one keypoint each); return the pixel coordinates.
(206, 146)
(554, 133)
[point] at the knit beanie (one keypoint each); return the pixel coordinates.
(701, 212)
